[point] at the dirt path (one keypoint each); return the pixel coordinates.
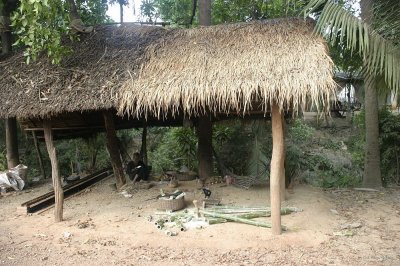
(116, 230)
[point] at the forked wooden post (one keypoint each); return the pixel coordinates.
(277, 168)
(113, 150)
(55, 172)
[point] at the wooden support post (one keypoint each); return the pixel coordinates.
(113, 150)
(204, 152)
(143, 149)
(39, 155)
(55, 173)
(283, 155)
(12, 142)
(277, 168)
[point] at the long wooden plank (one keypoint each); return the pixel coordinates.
(47, 199)
(48, 194)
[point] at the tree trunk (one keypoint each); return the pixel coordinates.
(10, 123)
(277, 169)
(55, 173)
(5, 36)
(393, 100)
(113, 150)
(121, 12)
(39, 155)
(205, 12)
(372, 166)
(349, 112)
(6, 43)
(204, 127)
(73, 11)
(12, 142)
(193, 12)
(143, 149)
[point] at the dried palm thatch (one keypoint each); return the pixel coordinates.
(227, 68)
(87, 79)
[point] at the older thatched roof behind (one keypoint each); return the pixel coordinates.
(88, 79)
(226, 68)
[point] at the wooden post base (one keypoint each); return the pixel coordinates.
(55, 173)
(277, 169)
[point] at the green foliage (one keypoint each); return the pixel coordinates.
(148, 9)
(389, 137)
(177, 12)
(300, 132)
(74, 152)
(238, 10)
(389, 125)
(3, 159)
(40, 25)
(233, 141)
(175, 147)
(93, 12)
(261, 149)
(320, 163)
(187, 145)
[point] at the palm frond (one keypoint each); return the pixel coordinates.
(387, 21)
(381, 55)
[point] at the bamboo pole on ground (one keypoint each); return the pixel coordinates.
(277, 168)
(55, 173)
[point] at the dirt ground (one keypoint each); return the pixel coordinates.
(117, 231)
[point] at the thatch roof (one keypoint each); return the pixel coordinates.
(88, 79)
(227, 68)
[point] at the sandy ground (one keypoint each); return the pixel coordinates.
(118, 232)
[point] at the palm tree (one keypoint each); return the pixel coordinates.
(375, 37)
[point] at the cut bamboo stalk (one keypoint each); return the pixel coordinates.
(238, 219)
(217, 221)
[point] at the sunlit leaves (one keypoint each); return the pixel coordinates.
(40, 25)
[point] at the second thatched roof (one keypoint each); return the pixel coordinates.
(227, 68)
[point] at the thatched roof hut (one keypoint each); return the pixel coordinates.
(228, 68)
(152, 72)
(88, 79)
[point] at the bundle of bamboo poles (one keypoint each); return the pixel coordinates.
(222, 214)
(219, 214)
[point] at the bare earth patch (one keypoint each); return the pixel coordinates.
(102, 227)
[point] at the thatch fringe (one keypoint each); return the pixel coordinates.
(226, 68)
